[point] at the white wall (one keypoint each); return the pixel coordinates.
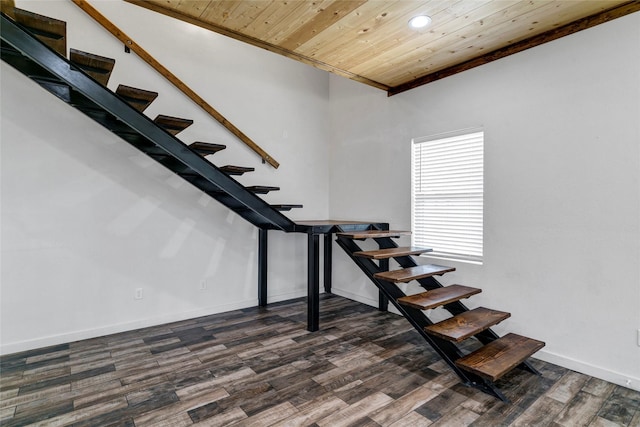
(86, 219)
(562, 183)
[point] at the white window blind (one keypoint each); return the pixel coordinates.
(447, 195)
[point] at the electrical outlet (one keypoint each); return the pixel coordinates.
(638, 337)
(138, 294)
(203, 285)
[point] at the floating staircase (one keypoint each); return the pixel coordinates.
(36, 46)
(480, 368)
(81, 82)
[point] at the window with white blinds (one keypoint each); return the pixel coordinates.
(447, 195)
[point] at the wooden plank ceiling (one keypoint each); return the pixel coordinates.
(371, 41)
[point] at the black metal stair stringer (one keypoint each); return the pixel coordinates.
(37, 61)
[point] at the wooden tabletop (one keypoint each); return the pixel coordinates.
(324, 226)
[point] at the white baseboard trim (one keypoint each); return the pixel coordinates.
(355, 297)
(286, 296)
(364, 300)
(84, 334)
(589, 369)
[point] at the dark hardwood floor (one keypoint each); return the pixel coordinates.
(260, 367)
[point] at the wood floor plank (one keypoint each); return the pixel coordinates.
(225, 418)
(189, 400)
(6, 413)
(261, 366)
(582, 409)
(269, 416)
(603, 422)
(180, 419)
(540, 414)
(309, 413)
(620, 406)
(403, 406)
(598, 387)
(412, 419)
(438, 407)
(568, 386)
(522, 391)
(459, 416)
(74, 417)
(352, 413)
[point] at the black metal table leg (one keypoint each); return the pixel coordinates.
(328, 252)
(313, 283)
(262, 267)
(383, 301)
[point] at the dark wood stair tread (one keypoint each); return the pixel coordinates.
(438, 297)
(235, 170)
(467, 324)
(286, 207)
(373, 234)
(139, 99)
(52, 32)
(500, 356)
(413, 273)
(173, 125)
(206, 148)
(391, 252)
(262, 189)
(98, 67)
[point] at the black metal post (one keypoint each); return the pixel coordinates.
(328, 253)
(262, 267)
(313, 283)
(383, 301)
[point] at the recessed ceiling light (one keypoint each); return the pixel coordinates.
(420, 21)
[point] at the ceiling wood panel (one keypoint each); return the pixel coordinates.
(470, 41)
(370, 41)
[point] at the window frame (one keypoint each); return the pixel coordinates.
(473, 256)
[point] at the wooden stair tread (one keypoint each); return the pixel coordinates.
(467, 324)
(52, 32)
(286, 207)
(139, 99)
(206, 148)
(235, 170)
(438, 297)
(413, 273)
(372, 234)
(262, 189)
(500, 356)
(173, 125)
(98, 67)
(391, 252)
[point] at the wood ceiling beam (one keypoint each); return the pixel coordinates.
(579, 25)
(258, 43)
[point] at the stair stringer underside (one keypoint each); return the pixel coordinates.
(41, 64)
